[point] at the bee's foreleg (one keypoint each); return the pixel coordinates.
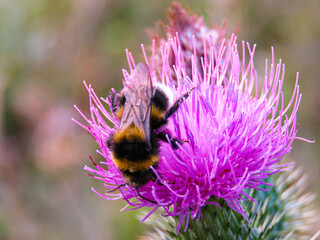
(165, 136)
(176, 105)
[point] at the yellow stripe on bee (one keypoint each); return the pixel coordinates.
(131, 133)
(126, 165)
(156, 113)
(119, 112)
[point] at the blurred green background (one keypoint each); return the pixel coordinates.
(47, 48)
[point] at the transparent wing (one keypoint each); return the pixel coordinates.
(137, 109)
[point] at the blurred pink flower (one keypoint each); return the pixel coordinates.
(194, 38)
(31, 100)
(55, 141)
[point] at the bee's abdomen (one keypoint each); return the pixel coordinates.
(139, 178)
(130, 152)
(133, 151)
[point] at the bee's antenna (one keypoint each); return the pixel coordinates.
(144, 197)
(121, 185)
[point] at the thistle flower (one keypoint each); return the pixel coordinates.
(236, 133)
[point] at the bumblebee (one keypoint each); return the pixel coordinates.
(143, 112)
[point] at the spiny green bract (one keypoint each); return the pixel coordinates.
(284, 212)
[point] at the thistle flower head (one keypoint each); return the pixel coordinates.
(236, 124)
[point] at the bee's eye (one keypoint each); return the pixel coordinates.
(122, 101)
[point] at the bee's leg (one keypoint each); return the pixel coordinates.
(176, 105)
(121, 185)
(155, 177)
(144, 197)
(166, 137)
(159, 183)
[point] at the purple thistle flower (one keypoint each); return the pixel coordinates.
(236, 132)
